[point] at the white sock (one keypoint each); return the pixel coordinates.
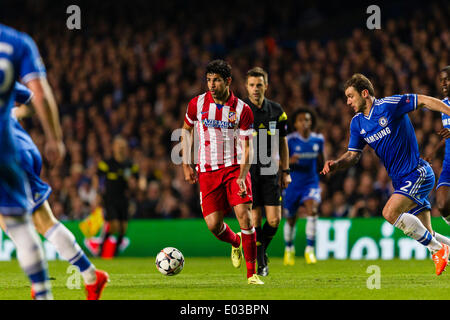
(65, 244)
(413, 227)
(30, 254)
(289, 235)
(441, 238)
(310, 231)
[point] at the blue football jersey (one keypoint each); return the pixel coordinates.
(308, 149)
(389, 131)
(446, 124)
(23, 96)
(19, 60)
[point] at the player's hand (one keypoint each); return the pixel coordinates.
(285, 180)
(328, 167)
(189, 174)
(444, 133)
(242, 187)
(55, 152)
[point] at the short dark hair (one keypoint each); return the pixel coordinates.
(219, 67)
(305, 110)
(360, 83)
(258, 72)
(446, 69)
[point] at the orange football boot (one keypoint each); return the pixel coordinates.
(440, 259)
(95, 290)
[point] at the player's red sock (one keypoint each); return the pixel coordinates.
(249, 247)
(227, 235)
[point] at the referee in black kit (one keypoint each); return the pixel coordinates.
(267, 180)
(116, 172)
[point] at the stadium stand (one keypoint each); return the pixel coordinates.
(131, 71)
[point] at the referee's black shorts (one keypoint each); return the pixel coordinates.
(116, 210)
(266, 189)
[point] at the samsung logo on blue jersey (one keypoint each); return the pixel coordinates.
(211, 123)
(377, 136)
(307, 155)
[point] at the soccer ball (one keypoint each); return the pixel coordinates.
(169, 261)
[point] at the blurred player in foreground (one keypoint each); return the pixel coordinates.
(45, 222)
(20, 60)
(306, 155)
(443, 185)
(385, 126)
(224, 125)
(267, 182)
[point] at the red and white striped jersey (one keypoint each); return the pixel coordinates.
(219, 129)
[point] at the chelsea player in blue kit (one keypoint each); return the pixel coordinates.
(43, 218)
(443, 185)
(20, 60)
(384, 125)
(306, 154)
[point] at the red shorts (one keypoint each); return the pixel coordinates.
(219, 190)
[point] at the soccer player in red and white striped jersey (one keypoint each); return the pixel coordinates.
(224, 127)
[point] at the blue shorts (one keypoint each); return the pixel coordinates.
(444, 177)
(14, 188)
(39, 191)
(294, 197)
(417, 185)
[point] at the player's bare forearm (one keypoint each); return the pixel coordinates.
(284, 153)
(186, 144)
(432, 104)
(347, 160)
(284, 161)
(186, 152)
(247, 158)
(46, 108)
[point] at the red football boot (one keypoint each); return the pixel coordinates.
(94, 291)
(440, 259)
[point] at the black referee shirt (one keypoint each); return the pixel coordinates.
(116, 176)
(269, 117)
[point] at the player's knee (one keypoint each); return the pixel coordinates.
(39, 228)
(244, 217)
(122, 227)
(43, 222)
(442, 206)
(389, 215)
(291, 221)
(215, 226)
(113, 226)
(274, 222)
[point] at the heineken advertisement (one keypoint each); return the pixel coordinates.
(360, 238)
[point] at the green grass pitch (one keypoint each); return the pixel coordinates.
(216, 279)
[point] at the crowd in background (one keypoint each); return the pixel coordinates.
(131, 70)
